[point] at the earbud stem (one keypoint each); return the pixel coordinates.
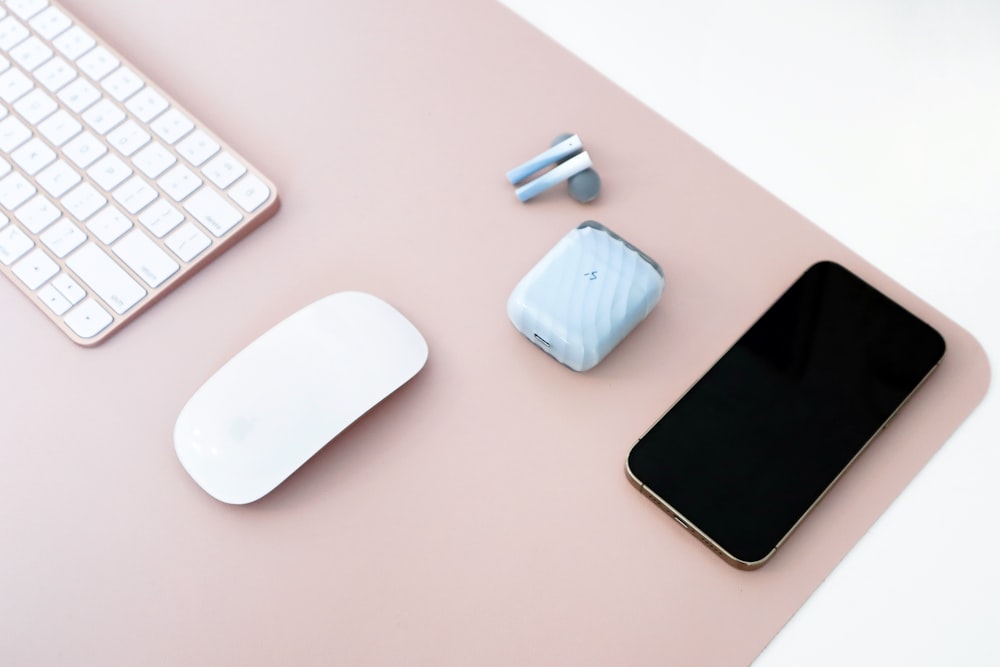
(555, 175)
(560, 151)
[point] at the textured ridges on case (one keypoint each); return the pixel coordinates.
(585, 295)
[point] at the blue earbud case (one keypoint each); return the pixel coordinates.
(585, 295)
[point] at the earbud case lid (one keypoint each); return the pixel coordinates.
(585, 295)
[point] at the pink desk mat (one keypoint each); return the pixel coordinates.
(482, 514)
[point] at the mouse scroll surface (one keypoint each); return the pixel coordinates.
(287, 394)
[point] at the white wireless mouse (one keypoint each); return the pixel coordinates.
(291, 391)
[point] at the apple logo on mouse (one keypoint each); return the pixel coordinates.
(240, 428)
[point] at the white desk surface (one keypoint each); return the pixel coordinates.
(880, 122)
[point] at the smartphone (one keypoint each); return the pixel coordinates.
(745, 454)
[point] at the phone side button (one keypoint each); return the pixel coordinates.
(681, 521)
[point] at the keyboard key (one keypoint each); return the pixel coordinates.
(37, 214)
(50, 23)
(145, 258)
(103, 275)
(154, 159)
(197, 147)
(35, 268)
(79, 95)
(13, 244)
(97, 63)
(122, 83)
(12, 33)
(13, 84)
(13, 133)
(55, 74)
(26, 8)
(30, 53)
(63, 238)
(69, 288)
(55, 301)
(109, 172)
(58, 178)
(147, 104)
(179, 182)
(15, 189)
(160, 218)
(60, 127)
(211, 210)
(135, 194)
(83, 201)
(109, 224)
(36, 106)
(84, 150)
(223, 170)
(250, 193)
(188, 242)
(88, 319)
(103, 116)
(33, 155)
(74, 42)
(128, 137)
(172, 126)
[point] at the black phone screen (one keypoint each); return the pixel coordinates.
(746, 452)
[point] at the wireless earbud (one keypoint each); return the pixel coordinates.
(572, 164)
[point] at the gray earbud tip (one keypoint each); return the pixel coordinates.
(585, 186)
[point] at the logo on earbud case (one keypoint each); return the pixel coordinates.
(572, 164)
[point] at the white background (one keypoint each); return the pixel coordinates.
(880, 122)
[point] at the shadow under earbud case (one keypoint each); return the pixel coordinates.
(585, 295)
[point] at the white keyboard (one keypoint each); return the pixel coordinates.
(111, 194)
